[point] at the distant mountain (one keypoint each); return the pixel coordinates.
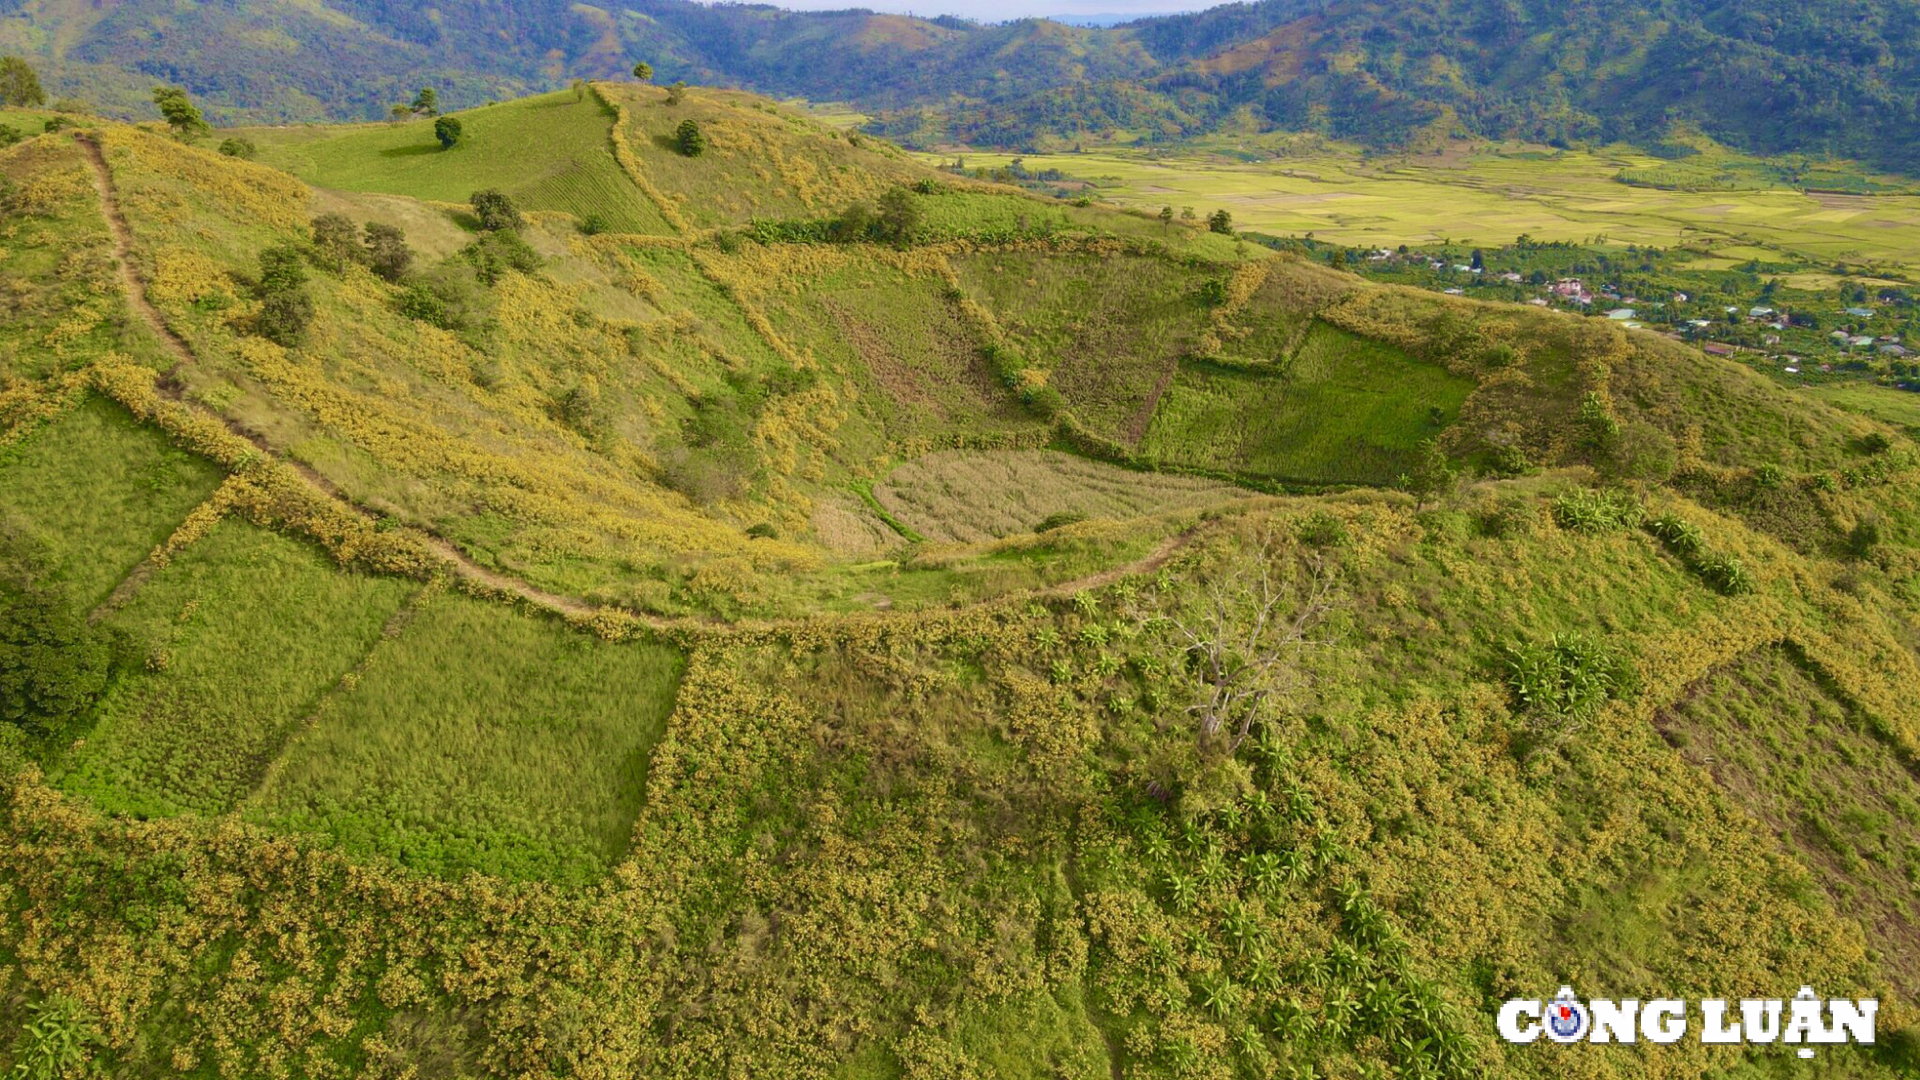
(1838, 76)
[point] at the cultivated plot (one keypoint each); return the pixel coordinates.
(237, 640)
(87, 497)
(483, 738)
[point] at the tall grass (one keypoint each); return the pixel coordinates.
(968, 496)
(483, 738)
(1345, 410)
(238, 638)
(89, 495)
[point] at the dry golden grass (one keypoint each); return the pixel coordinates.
(962, 496)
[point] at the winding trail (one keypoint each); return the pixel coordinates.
(459, 563)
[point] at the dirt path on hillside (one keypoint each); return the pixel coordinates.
(459, 562)
(135, 288)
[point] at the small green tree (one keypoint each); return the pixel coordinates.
(676, 93)
(1221, 222)
(179, 111)
(689, 138)
(285, 307)
(643, 71)
(1166, 215)
(387, 253)
(447, 130)
(1433, 476)
(899, 218)
(19, 84)
(426, 102)
(496, 211)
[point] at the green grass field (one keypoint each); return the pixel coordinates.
(483, 739)
(1772, 734)
(1346, 410)
(1106, 330)
(962, 496)
(1889, 406)
(761, 161)
(87, 497)
(239, 638)
(1491, 196)
(549, 153)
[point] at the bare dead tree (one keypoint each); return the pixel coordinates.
(1246, 638)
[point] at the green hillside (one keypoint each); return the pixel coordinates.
(1821, 77)
(968, 635)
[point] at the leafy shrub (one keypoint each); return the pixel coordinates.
(593, 224)
(1875, 444)
(1866, 535)
(1512, 460)
(387, 253)
(1322, 530)
(1565, 678)
(447, 130)
(1727, 574)
(762, 530)
(1591, 511)
(59, 1040)
(450, 297)
(239, 147)
(1682, 537)
(495, 253)
(9, 135)
(1510, 517)
(496, 211)
(1769, 476)
(1213, 292)
(284, 317)
(52, 663)
(336, 242)
(285, 307)
(1059, 521)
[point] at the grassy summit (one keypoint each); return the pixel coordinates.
(726, 640)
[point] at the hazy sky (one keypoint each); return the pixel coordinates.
(999, 10)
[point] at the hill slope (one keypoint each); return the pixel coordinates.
(1762, 75)
(621, 662)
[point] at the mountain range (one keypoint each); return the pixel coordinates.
(1824, 76)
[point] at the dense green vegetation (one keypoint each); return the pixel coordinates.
(1824, 77)
(735, 642)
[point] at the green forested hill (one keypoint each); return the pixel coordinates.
(783, 611)
(1826, 76)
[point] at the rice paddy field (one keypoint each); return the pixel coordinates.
(1492, 195)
